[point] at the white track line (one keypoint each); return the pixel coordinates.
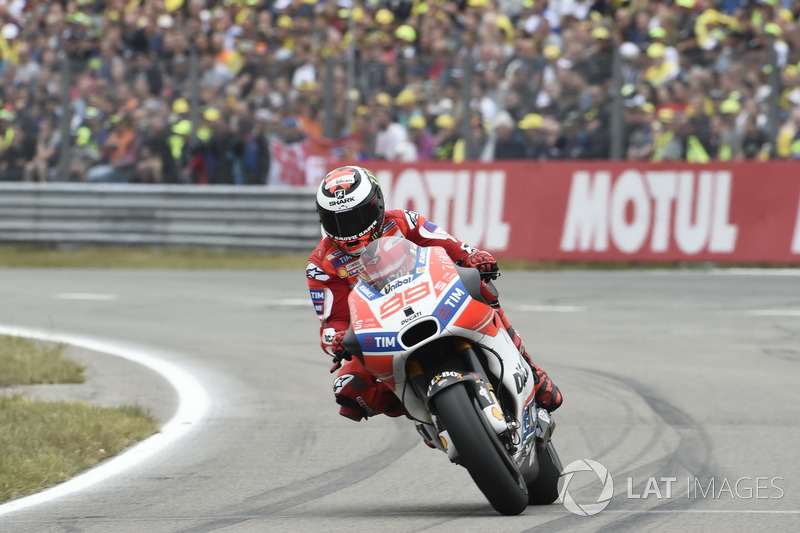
(193, 402)
(774, 312)
(84, 296)
(295, 302)
(550, 308)
(756, 271)
(699, 511)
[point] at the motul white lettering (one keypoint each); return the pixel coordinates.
(662, 189)
(586, 226)
(410, 192)
(470, 231)
(796, 238)
(478, 200)
(629, 237)
(386, 179)
(497, 231)
(441, 187)
(597, 208)
(692, 237)
(723, 233)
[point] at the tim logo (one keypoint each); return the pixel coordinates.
(379, 343)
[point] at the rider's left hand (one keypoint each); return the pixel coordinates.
(484, 262)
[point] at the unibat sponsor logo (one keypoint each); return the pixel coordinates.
(395, 284)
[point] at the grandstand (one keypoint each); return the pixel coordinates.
(239, 91)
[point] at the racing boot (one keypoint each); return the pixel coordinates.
(545, 392)
(360, 395)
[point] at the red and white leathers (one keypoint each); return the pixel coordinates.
(331, 275)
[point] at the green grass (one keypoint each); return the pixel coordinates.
(199, 259)
(30, 256)
(46, 443)
(26, 362)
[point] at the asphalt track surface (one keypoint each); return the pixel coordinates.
(684, 375)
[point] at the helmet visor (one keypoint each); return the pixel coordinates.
(350, 225)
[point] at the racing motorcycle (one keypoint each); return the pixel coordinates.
(420, 324)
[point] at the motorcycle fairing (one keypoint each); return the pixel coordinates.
(435, 289)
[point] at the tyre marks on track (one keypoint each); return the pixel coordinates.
(693, 456)
(316, 487)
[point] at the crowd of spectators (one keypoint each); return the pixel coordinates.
(367, 79)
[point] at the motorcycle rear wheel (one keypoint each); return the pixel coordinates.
(481, 452)
(544, 489)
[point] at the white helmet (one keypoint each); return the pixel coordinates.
(351, 209)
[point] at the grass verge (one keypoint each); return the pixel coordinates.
(26, 362)
(46, 443)
(204, 259)
(30, 256)
(189, 259)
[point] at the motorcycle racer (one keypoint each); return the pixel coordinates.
(351, 210)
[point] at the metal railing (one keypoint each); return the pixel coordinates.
(74, 215)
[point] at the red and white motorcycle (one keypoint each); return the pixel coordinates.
(420, 325)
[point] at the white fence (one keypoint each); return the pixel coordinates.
(74, 215)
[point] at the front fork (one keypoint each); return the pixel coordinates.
(482, 391)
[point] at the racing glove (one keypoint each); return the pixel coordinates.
(484, 262)
(339, 351)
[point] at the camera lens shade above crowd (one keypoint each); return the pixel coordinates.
(201, 91)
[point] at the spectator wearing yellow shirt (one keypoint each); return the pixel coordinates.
(639, 118)
(730, 138)
(446, 137)
(9, 43)
(788, 144)
(660, 71)
(667, 145)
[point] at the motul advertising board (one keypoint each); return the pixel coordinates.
(609, 211)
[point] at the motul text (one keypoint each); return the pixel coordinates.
(747, 212)
(654, 206)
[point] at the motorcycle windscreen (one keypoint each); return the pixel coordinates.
(387, 259)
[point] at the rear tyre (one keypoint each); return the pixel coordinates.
(544, 489)
(481, 452)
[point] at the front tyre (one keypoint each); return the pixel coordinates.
(480, 451)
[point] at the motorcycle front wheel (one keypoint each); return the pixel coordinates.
(480, 451)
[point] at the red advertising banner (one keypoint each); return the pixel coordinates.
(609, 211)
